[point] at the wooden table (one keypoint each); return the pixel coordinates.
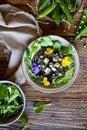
(69, 109)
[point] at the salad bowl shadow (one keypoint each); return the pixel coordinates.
(12, 102)
(57, 88)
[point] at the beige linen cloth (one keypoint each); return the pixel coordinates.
(17, 30)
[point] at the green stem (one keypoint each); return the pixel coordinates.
(41, 22)
(31, 8)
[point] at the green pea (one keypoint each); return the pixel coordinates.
(48, 9)
(84, 16)
(82, 22)
(81, 33)
(82, 28)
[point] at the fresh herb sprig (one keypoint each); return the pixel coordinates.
(24, 120)
(40, 106)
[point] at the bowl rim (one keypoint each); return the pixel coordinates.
(23, 98)
(52, 90)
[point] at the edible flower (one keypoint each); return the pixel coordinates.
(45, 81)
(36, 68)
(66, 61)
(48, 51)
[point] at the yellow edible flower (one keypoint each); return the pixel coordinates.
(48, 51)
(45, 81)
(66, 61)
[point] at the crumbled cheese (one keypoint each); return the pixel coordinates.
(53, 69)
(46, 60)
(55, 59)
(47, 70)
(56, 65)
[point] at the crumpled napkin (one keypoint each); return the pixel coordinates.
(17, 30)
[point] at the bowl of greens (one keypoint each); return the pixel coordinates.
(58, 10)
(12, 102)
(50, 64)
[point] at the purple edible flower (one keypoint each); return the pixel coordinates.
(36, 68)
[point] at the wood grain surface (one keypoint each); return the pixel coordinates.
(69, 109)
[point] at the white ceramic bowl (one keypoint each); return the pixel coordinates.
(56, 89)
(16, 117)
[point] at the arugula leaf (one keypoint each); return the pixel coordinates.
(24, 120)
(27, 61)
(68, 75)
(3, 91)
(27, 52)
(34, 49)
(39, 106)
(66, 50)
(14, 93)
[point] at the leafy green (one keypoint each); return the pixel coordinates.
(3, 92)
(27, 61)
(10, 101)
(66, 50)
(39, 106)
(56, 45)
(34, 49)
(68, 75)
(46, 41)
(24, 120)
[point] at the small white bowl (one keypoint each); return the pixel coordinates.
(56, 89)
(16, 117)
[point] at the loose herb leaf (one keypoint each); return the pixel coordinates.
(24, 120)
(39, 106)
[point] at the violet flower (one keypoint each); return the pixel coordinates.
(35, 68)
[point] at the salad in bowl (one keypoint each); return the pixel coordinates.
(50, 64)
(12, 102)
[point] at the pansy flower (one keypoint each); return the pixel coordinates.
(35, 68)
